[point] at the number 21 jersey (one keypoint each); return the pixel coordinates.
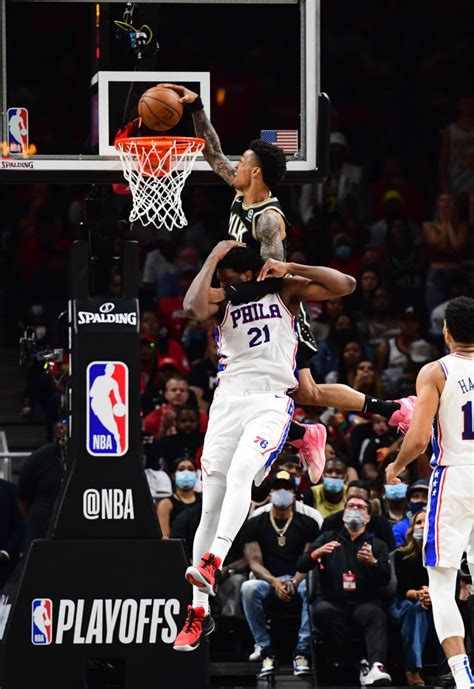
(257, 345)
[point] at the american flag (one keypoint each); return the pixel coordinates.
(286, 139)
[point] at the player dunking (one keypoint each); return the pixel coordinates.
(256, 218)
(251, 412)
(445, 390)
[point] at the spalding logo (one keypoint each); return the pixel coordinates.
(105, 316)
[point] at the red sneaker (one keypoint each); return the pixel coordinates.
(206, 574)
(197, 625)
(403, 416)
(311, 447)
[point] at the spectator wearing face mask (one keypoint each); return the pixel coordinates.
(382, 438)
(392, 503)
(273, 542)
(343, 258)
(412, 607)
(183, 498)
(378, 525)
(417, 497)
(328, 497)
(353, 565)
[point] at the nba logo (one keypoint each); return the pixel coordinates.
(41, 621)
(107, 408)
(17, 131)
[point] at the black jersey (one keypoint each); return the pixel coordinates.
(242, 226)
(243, 220)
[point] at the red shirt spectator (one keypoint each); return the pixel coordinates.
(161, 421)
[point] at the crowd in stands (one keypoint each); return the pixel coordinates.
(349, 546)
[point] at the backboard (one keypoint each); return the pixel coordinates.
(79, 68)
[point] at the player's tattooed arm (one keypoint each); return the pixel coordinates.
(267, 231)
(212, 150)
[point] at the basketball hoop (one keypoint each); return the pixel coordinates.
(156, 169)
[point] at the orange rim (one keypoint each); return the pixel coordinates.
(162, 144)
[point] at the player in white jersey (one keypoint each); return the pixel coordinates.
(251, 412)
(445, 411)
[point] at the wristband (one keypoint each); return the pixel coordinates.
(196, 105)
(245, 292)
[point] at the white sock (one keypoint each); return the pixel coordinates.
(461, 671)
(200, 599)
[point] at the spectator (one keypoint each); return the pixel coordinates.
(187, 261)
(343, 256)
(188, 439)
(353, 565)
(273, 543)
(339, 192)
(400, 358)
(406, 272)
(456, 168)
(392, 503)
(166, 346)
(378, 525)
(328, 497)
(417, 496)
(39, 484)
(379, 322)
(184, 478)
(349, 360)
(368, 283)
(412, 607)
(170, 309)
(330, 310)
(383, 437)
(446, 238)
(341, 332)
(394, 208)
(158, 265)
(393, 177)
(11, 531)
(162, 421)
(366, 380)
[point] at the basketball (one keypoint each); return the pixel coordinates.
(160, 109)
(119, 409)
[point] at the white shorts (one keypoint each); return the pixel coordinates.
(449, 528)
(256, 421)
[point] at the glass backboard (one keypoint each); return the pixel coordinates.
(75, 71)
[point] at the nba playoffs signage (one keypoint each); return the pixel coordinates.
(104, 621)
(106, 314)
(107, 408)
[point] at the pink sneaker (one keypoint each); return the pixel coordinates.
(403, 416)
(311, 447)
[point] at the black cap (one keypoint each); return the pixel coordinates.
(283, 479)
(421, 484)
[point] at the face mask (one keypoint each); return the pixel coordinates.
(333, 485)
(282, 499)
(417, 507)
(396, 492)
(297, 480)
(343, 252)
(353, 519)
(186, 480)
(418, 534)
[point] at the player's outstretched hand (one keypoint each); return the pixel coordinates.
(223, 248)
(272, 269)
(186, 95)
(391, 472)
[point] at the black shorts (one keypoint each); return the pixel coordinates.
(307, 346)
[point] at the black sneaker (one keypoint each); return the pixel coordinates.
(268, 666)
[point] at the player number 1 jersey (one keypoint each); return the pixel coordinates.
(453, 427)
(257, 345)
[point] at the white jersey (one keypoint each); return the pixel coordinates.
(257, 345)
(453, 427)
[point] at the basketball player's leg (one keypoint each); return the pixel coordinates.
(448, 534)
(264, 436)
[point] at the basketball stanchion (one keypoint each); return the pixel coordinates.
(102, 590)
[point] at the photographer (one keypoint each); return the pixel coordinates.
(273, 542)
(353, 565)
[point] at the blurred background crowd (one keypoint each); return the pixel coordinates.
(397, 213)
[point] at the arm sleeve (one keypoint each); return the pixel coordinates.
(251, 291)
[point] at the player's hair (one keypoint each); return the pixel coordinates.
(240, 259)
(272, 161)
(459, 318)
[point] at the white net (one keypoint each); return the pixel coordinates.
(156, 170)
